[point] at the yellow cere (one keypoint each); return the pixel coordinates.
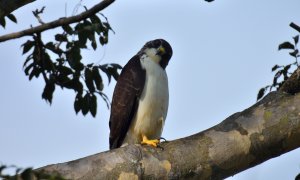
(162, 50)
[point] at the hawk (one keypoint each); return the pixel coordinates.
(141, 97)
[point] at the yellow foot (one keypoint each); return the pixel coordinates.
(152, 142)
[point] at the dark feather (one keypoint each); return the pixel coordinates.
(125, 100)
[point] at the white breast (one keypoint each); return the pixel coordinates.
(153, 104)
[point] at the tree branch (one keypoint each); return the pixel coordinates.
(8, 6)
(268, 129)
(57, 23)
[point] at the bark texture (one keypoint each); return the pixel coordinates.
(8, 6)
(292, 85)
(268, 129)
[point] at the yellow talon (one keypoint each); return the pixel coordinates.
(152, 142)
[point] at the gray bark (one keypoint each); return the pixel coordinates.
(266, 130)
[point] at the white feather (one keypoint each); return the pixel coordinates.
(153, 103)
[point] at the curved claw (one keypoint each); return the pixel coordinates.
(161, 138)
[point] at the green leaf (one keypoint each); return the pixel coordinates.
(286, 68)
(2, 167)
(294, 53)
(74, 58)
(27, 60)
(64, 70)
(78, 103)
(82, 38)
(286, 45)
(50, 45)
(61, 38)
(108, 27)
(27, 46)
(261, 93)
(68, 29)
(48, 92)
(297, 177)
(95, 19)
(277, 75)
(84, 30)
(105, 98)
(285, 72)
(2, 22)
(94, 44)
(89, 79)
(74, 84)
(275, 67)
(103, 40)
(35, 72)
(12, 18)
(296, 39)
(63, 81)
(27, 69)
(27, 174)
(114, 65)
(47, 63)
(80, 44)
(114, 72)
(104, 69)
(93, 105)
(110, 70)
(97, 79)
(85, 104)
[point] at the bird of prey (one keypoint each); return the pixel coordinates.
(141, 97)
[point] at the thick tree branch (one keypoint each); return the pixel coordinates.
(57, 23)
(8, 6)
(268, 129)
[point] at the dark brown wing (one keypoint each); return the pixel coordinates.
(125, 100)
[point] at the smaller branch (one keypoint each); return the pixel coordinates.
(295, 26)
(37, 13)
(60, 22)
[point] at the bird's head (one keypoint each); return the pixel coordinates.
(159, 50)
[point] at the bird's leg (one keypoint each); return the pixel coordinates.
(152, 142)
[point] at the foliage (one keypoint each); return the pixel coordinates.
(282, 72)
(27, 174)
(11, 17)
(60, 64)
(297, 177)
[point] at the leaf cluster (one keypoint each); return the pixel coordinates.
(283, 72)
(27, 174)
(60, 62)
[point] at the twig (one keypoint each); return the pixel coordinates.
(59, 22)
(37, 13)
